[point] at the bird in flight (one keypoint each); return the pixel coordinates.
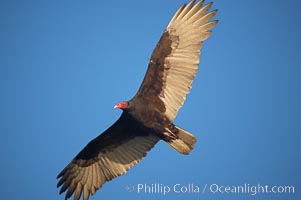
(148, 117)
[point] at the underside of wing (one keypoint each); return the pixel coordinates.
(108, 156)
(174, 61)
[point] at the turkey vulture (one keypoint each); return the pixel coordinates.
(148, 117)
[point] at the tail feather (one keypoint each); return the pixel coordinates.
(184, 142)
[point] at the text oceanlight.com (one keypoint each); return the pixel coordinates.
(192, 188)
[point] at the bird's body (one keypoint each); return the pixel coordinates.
(149, 116)
(152, 117)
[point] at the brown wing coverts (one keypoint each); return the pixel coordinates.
(174, 61)
(108, 156)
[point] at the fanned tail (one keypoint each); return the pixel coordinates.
(184, 141)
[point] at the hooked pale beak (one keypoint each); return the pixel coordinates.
(122, 105)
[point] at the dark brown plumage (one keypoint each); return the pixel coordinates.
(148, 117)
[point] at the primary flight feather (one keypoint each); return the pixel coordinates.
(148, 117)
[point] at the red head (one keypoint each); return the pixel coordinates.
(122, 105)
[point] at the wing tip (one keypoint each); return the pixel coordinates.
(214, 22)
(215, 11)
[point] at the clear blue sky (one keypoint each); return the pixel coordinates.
(65, 64)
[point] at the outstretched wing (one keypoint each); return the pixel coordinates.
(174, 61)
(109, 155)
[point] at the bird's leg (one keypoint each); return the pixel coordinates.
(170, 135)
